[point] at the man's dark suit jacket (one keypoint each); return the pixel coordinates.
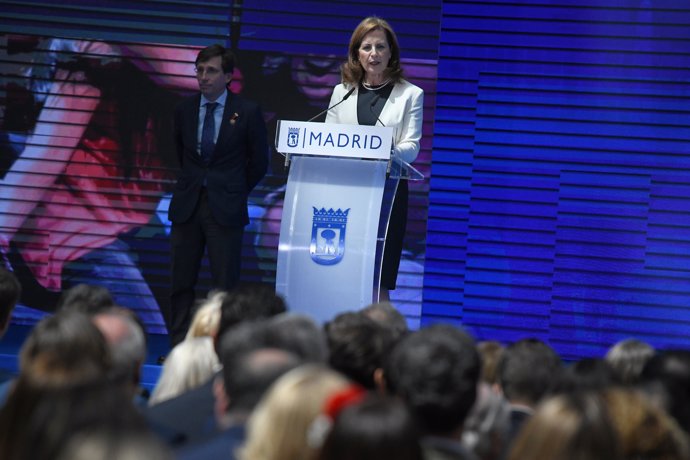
(239, 161)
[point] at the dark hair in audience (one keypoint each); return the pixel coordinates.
(248, 302)
(627, 358)
(226, 56)
(10, 292)
(526, 370)
(435, 370)
(669, 372)
(387, 315)
(357, 346)
(63, 349)
(298, 334)
(374, 429)
(588, 374)
(248, 375)
(85, 298)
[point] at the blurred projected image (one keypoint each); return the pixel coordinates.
(87, 162)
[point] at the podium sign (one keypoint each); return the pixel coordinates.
(330, 139)
(329, 229)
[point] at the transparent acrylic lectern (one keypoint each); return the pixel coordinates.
(340, 190)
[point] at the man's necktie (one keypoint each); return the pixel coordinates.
(208, 132)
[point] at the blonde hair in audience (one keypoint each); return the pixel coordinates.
(207, 318)
(645, 431)
(189, 365)
(279, 427)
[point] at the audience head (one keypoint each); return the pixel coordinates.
(644, 430)
(10, 292)
(126, 341)
(286, 413)
(387, 315)
(66, 348)
(376, 428)
(574, 426)
(246, 377)
(490, 353)
(526, 370)
(357, 347)
(206, 320)
(85, 298)
(298, 334)
(627, 359)
(435, 370)
(38, 422)
(190, 364)
(248, 302)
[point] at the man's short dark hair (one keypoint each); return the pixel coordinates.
(358, 346)
(435, 370)
(248, 302)
(227, 58)
(527, 369)
(247, 376)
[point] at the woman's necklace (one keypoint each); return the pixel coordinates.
(377, 87)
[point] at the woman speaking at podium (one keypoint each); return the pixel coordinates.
(372, 92)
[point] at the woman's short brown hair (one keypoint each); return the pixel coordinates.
(352, 71)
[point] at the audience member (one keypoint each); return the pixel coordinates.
(10, 291)
(246, 377)
(40, 421)
(126, 341)
(85, 298)
(286, 413)
(572, 426)
(435, 371)
(62, 352)
(387, 315)
(190, 364)
(627, 359)
(357, 347)
(376, 428)
(527, 369)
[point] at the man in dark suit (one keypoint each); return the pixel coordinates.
(223, 153)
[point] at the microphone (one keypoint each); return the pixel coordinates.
(235, 23)
(371, 108)
(348, 94)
